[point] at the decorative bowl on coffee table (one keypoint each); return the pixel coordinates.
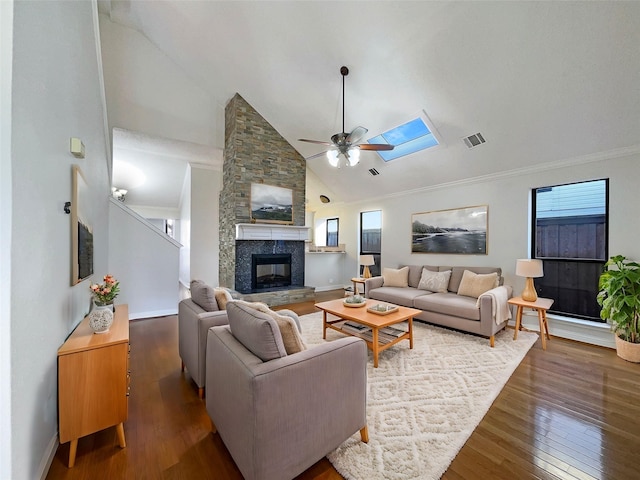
(355, 301)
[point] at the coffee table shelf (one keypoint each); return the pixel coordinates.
(374, 336)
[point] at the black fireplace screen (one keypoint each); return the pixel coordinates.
(270, 270)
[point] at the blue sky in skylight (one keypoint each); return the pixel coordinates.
(408, 138)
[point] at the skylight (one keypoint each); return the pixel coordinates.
(407, 138)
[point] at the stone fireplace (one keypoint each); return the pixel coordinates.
(255, 152)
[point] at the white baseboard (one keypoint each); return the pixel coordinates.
(153, 313)
(47, 458)
(329, 287)
(584, 331)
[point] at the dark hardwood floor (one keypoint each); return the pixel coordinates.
(570, 412)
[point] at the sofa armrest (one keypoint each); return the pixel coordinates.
(487, 322)
(371, 283)
(313, 399)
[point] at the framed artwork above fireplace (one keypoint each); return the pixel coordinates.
(270, 204)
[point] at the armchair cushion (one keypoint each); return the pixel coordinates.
(257, 331)
(222, 296)
(288, 326)
(204, 296)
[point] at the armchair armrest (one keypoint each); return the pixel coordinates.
(371, 283)
(193, 324)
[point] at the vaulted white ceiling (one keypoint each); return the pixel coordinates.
(544, 82)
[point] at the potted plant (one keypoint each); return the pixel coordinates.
(619, 297)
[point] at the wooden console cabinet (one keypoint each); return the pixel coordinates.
(93, 381)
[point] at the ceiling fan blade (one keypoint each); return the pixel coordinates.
(328, 144)
(375, 146)
(316, 155)
(356, 134)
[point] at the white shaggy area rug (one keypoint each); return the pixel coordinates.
(423, 404)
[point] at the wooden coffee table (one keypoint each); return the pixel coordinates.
(376, 340)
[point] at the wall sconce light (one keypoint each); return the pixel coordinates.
(530, 269)
(366, 260)
(118, 193)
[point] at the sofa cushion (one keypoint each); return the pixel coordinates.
(223, 296)
(449, 304)
(415, 272)
(434, 281)
(396, 277)
(474, 284)
(257, 331)
(204, 296)
(397, 295)
(457, 272)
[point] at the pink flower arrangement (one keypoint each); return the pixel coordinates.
(104, 293)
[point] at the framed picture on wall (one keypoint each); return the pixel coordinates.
(455, 231)
(271, 204)
(81, 229)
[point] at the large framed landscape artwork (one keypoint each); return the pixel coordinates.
(81, 229)
(271, 204)
(455, 231)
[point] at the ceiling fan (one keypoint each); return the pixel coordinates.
(346, 144)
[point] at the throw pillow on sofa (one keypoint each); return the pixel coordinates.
(393, 277)
(474, 284)
(434, 281)
(204, 296)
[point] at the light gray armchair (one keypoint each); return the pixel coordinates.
(279, 417)
(194, 322)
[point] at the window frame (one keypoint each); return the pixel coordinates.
(337, 232)
(377, 255)
(568, 262)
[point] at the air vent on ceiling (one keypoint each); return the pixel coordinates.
(474, 140)
(374, 172)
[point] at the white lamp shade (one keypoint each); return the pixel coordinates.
(354, 156)
(367, 260)
(332, 156)
(528, 267)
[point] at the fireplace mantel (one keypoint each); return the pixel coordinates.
(265, 231)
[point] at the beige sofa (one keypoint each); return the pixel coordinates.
(485, 315)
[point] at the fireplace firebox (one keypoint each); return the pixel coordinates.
(270, 271)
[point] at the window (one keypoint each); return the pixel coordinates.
(570, 236)
(332, 232)
(408, 138)
(371, 238)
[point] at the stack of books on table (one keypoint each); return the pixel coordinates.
(385, 335)
(353, 327)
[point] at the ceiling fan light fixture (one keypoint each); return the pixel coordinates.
(353, 156)
(332, 156)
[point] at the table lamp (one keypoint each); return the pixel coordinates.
(529, 268)
(366, 260)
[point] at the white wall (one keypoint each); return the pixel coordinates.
(55, 95)
(508, 199)
(324, 271)
(185, 231)
(206, 184)
(6, 57)
(145, 261)
(147, 92)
